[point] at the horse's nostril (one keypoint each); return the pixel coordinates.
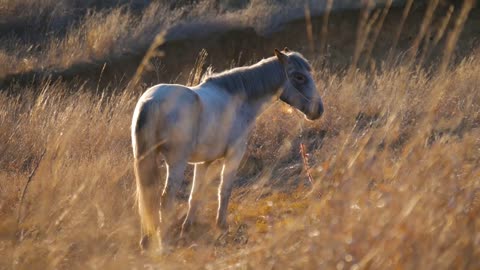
(320, 110)
(315, 111)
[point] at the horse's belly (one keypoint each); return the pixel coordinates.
(212, 142)
(207, 152)
(215, 143)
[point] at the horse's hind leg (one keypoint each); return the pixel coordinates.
(148, 196)
(175, 172)
(198, 183)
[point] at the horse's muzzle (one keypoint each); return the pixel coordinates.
(316, 112)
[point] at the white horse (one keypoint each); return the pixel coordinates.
(210, 121)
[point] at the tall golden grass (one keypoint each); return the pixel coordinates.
(394, 162)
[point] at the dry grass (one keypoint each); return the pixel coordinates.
(98, 36)
(395, 167)
(396, 180)
(51, 35)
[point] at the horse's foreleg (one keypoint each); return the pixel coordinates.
(229, 171)
(198, 184)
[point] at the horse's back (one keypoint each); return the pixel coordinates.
(168, 92)
(164, 112)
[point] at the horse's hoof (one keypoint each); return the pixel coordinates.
(166, 250)
(183, 233)
(186, 228)
(222, 226)
(144, 242)
(182, 242)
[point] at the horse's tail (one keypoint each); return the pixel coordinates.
(148, 193)
(148, 184)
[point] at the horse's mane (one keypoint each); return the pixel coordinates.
(257, 80)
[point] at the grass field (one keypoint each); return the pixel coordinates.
(394, 162)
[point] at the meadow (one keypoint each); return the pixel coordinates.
(389, 178)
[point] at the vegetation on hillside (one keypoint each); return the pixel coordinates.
(394, 162)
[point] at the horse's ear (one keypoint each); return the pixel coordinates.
(281, 57)
(286, 49)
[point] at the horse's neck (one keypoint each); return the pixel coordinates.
(255, 86)
(259, 106)
(254, 82)
(264, 79)
(271, 79)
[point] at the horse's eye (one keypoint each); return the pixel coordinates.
(299, 78)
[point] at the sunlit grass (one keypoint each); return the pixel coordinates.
(394, 163)
(394, 187)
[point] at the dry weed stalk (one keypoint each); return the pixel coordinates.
(145, 63)
(454, 34)
(439, 34)
(24, 190)
(306, 163)
(363, 30)
(195, 76)
(406, 11)
(309, 28)
(377, 29)
(427, 19)
(324, 33)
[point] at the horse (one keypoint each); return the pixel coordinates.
(208, 122)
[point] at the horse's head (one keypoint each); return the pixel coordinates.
(299, 89)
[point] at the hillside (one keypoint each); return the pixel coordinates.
(388, 178)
